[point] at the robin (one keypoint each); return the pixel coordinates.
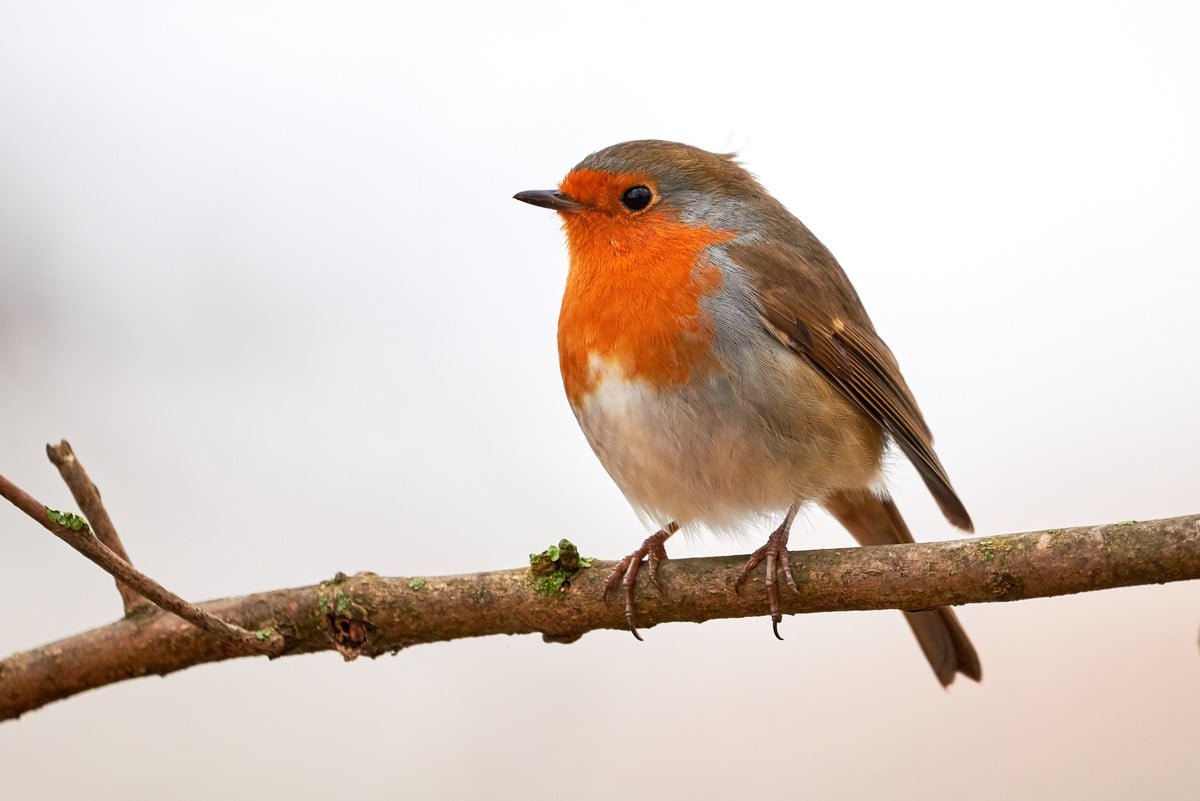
(725, 371)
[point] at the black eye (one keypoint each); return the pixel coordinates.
(637, 197)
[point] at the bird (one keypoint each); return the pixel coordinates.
(725, 372)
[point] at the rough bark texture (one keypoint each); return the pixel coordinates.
(366, 614)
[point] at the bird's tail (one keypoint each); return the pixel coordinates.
(877, 521)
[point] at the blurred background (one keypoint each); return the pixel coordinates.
(260, 264)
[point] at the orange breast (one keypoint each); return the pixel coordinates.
(633, 299)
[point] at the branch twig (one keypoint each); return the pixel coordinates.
(81, 538)
(370, 615)
(88, 497)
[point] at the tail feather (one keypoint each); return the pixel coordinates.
(945, 644)
(877, 521)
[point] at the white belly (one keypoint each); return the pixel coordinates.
(739, 446)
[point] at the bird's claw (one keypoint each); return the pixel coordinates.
(778, 561)
(625, 572)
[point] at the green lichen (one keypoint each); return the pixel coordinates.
(336, 603)
(1127, 523)
(552, 569)
(262, 634)
(551, 584)
(988, 553)
(68, 520)
(416, 584)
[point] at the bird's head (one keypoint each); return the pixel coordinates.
(648, 193)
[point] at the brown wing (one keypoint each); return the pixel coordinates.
(809, 304)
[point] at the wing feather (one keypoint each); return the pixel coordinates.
(810, 306)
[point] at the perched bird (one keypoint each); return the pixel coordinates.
(724, 370)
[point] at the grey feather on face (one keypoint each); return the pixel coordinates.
(716, 212)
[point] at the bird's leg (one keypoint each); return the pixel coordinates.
(625, 573)
(776, 553)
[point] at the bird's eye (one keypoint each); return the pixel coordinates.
(637, 197)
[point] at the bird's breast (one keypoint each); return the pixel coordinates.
(633, 303)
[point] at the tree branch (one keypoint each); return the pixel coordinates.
(368, 614)
(78, 534)
(88, 497)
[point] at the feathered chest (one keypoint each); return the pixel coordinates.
(634, 302)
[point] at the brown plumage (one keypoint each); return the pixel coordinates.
(810, 305)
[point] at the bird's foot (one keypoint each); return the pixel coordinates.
(776, 554)
(625, 573)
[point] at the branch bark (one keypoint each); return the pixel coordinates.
(88, 497)
(369, 615)
(79, 535)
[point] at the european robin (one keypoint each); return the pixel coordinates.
(725, 371)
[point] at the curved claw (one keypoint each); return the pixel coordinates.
(625, 569)
(778, 561)
(628, 583)
(625, 572)
(632, 626)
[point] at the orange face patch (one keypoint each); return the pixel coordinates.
(634, 288)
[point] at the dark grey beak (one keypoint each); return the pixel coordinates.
(549, 199)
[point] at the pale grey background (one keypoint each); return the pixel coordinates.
(259, 262)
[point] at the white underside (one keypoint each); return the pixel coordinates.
(726, 452)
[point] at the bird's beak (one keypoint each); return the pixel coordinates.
(550, 199)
